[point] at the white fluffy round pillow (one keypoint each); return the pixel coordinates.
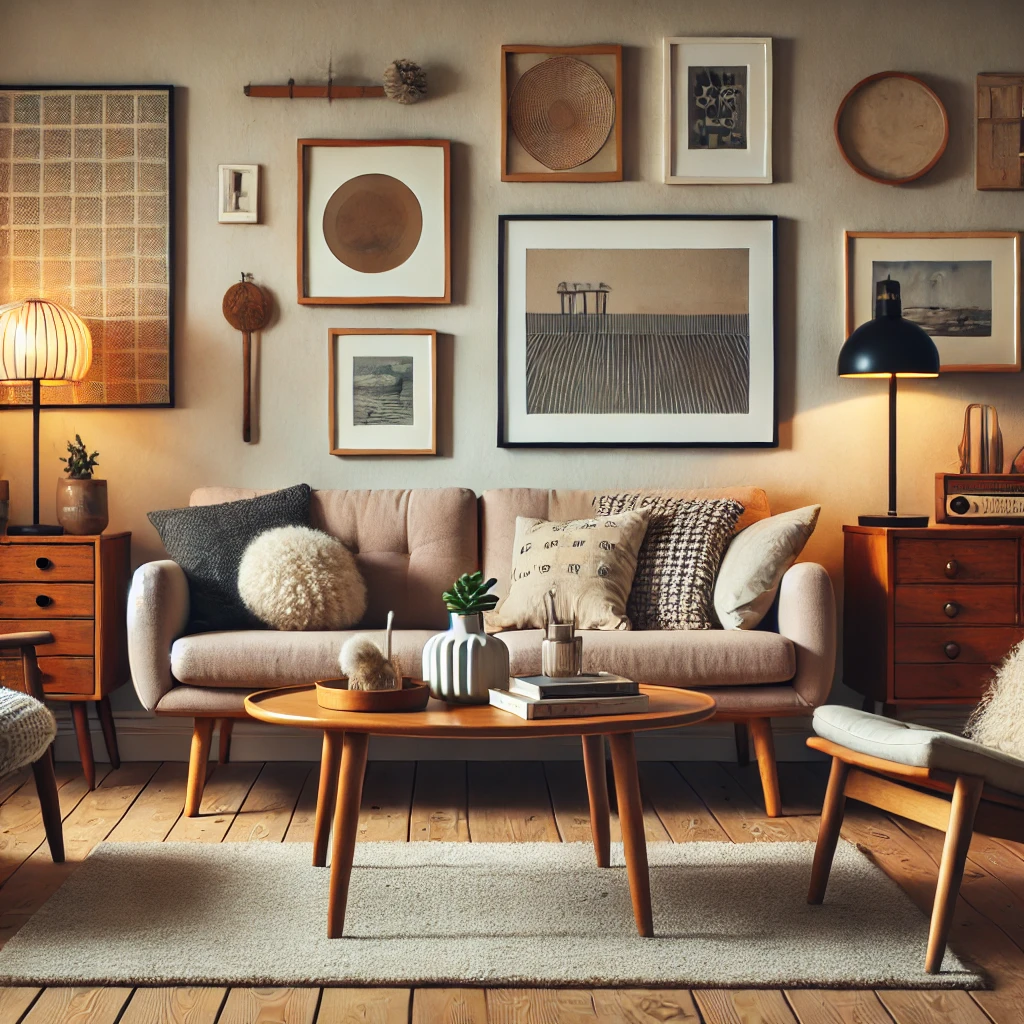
(294, 577)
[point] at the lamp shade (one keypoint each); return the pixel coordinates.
(44, 341)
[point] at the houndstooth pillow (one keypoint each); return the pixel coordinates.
(679, 558)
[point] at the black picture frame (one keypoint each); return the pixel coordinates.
(504, 441)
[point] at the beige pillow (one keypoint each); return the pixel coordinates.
(589, 562)
(755, 562)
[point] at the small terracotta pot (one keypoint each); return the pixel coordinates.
(82, 506)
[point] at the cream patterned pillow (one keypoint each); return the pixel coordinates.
(588, 562)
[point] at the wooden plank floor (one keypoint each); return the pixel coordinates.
(498, 802)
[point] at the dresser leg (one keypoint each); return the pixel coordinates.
(109, 732)
(79, 710)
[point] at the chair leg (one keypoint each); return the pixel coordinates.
(199, 758)
(46, 787)
(109, 731)
(764, 749)
(742, 736)
(224, 753)
(79, 712)
(966, 795)
(828, 830)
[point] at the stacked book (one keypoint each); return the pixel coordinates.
(584, 696)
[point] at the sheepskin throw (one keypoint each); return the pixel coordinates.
(295, 577)
(998, 721)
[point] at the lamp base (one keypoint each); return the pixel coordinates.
(897, 520)
(38, 530)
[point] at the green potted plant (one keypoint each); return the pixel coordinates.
(462, 664)
(81, 500)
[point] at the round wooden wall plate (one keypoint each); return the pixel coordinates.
(335, 694)
(891, 128)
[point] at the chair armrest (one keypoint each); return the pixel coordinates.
(18, 641)
(807, 617)
(158, 608)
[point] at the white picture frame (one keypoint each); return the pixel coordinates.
(238, 194)
(692, 151)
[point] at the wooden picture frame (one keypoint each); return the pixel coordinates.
(519, 165)
(408, 414)
(999, 158)
(979, 340)
(410, 217)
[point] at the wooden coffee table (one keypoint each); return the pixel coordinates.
(343, 766)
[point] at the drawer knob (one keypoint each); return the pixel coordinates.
(44, 563)
(952, 568)
(952, 609)
(952, 650)
(43, 601)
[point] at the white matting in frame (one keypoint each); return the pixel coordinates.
(602, 344)
(718, 110)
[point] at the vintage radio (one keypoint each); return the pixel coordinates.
(982, 499)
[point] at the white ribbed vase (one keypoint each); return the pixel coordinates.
(462, 664)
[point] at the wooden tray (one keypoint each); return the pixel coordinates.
(335, 694)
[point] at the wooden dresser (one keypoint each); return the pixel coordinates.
(77, 588)
(928, 613)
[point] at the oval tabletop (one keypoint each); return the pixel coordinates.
(296, 706)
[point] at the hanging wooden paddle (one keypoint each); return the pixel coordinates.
(247, 308)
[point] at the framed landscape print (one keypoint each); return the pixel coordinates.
(383, 392)
(561, 113)
(87, 220)
(373, 222)
(962, 287)
(636, 331)
(718, 111)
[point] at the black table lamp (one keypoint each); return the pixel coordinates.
(891, 347)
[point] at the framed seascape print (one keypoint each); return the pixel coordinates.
(636, 332)
(373, 222)
(718, 111)
(383, 392)
(561, 113)
(962, 287)
(87, 220)
(238, 193)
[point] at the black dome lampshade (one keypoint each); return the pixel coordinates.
(889, 346)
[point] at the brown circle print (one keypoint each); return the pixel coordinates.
(373, 223)
(562, 112)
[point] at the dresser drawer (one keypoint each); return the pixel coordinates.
(943, 644)
(46, 601)
(955, 559)
(70, 636)
(943, 683)
(65, 563)
(953, 603)
(59, 675)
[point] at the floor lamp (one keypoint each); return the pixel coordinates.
(45, 343)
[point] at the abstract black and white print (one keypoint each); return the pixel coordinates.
(948, 298)
(717, 107)
(382, 393)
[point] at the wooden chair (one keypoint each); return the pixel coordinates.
(28, 730)
(931, 777)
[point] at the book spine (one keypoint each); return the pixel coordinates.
(500, 699)
(540, 691)
(586, 709)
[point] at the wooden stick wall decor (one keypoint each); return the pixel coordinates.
(404, 82)
(246, 307)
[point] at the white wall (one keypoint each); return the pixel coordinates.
(832, 431)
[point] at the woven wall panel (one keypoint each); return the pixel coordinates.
(86, 220)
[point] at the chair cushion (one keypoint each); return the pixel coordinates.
(684, 658)
(26, 729)
(918, 745)
(263, 658)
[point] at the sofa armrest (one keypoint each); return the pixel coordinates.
(807, 617)
(158, 610)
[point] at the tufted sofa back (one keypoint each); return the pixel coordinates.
(410, 544)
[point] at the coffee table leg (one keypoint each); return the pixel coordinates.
(330, 765)
(346, 824)
(631, 820)
(597, 790)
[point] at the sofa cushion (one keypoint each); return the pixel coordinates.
(918, 745)
(267, 658)
(409, 544)
(682, 658)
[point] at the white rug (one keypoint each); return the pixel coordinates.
(473, 914)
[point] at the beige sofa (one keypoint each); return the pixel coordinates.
(410, 545)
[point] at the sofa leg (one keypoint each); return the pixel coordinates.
(828, 831)
(742, 734)
(224, 754)
(199, 757)
(764, 749)
(966, 795)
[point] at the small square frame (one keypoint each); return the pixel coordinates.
(225, 215)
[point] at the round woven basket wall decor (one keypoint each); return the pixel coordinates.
(373, 223)
(561, 111)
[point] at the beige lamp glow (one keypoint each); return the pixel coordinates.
(45, 343)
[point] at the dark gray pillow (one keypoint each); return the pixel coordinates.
(208, 542)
